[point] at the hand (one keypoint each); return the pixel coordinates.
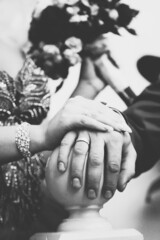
(110, 153)
(79, 112)
(105, 68)
(89, 76)
(90, 84)
(110, 74)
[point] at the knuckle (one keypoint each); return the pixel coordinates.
(78, 99)
(64, 144)
(113, 167)
(71, 100)
(83, 121)
(82, 147)
(69, 104)
(95, 161)
(89, 113)
(79, 149)
(115, 137)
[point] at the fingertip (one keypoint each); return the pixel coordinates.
(91, 194)
(108, 194)
(76, 183)
(121, 188)
(61, 167)
(124, 128)
(110, 129)
(127, 129)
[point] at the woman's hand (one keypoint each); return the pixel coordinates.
(81, 113)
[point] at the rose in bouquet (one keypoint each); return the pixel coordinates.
(66, 30)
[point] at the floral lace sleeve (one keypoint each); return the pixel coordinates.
(33, 93)
(27, 98)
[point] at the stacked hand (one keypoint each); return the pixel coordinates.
(106, 149)
(81, 113)
(106, 153)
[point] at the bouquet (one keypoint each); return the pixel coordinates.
(67, 30)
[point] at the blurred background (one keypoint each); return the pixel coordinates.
(128, 209)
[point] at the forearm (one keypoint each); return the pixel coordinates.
(89, 84)
(86, 90)
(78, 113)
(8, 149)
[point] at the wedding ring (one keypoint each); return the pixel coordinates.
(82, 140)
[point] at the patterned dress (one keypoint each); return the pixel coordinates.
(25, 99)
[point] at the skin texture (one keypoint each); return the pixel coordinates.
(78, 113)
(111, 151)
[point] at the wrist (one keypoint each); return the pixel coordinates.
(52, 131)
(88, 75)
(91, 87)
(97, 84)
(37, 138)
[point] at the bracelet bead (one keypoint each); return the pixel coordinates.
(22, 140)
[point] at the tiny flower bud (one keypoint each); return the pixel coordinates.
(113, 14)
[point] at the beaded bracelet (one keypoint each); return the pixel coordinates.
(22, 140)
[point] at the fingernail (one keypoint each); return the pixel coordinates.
(76, 183)
(91, 194)
(109, 129)
(126, 128)
(61, 167)
(108, 194)
(129, 130)
(124, 186)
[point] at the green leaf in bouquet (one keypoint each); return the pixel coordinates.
(115, 30)
(126, 14)
(131, 31)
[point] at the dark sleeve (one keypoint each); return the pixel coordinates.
(144, 119)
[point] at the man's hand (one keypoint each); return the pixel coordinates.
(110, 157)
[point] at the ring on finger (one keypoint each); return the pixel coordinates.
(82, 140)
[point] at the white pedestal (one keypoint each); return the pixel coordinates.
(87, 224)
(124, 234)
